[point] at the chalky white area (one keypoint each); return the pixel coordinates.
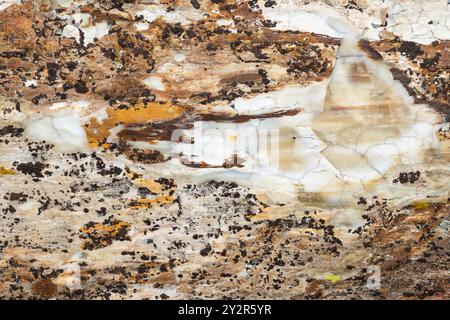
(155, 82)
(354, 129)
(82, 27)
(62, 129)
(151, 12)
(289, 15)
(422, 21)
(309, 98)
(62, 126)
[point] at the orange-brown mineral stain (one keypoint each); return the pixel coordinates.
(102, 228)
(100, 235)
(148, 203)
(150, 184)
(141, 113)
(163, 196)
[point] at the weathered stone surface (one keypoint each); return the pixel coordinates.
(224, 149)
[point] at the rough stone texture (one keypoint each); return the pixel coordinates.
(94, 207)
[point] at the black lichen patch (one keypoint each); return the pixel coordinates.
(113, 4)
(80, 87)
(195, 4)
(144, 156)
(410, 49)
(16, 196)
(11, 131)
(166, 184)
(366, 47)
(33, 169)
(269, 4)
(204, 252)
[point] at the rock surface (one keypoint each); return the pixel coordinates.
(238, 149)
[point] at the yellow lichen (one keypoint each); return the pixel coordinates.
(98, 228)
(146, 203)
(333, 278)
(420, 205)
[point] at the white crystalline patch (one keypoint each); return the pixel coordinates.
(419, 21)
(349, 138)
(155, 82)
(310, 99)
(75, 105)
(7, 3)
(153, 12)
(422, 21)
(141, 26)
(319, 19)
(225, 22)
(306, 160)
(70, 31)
(101, 115)
(210, 152)
(349, 163)
(288, 19)
(58, 105)
(81, 24)
(383, 156)
(69, 3)
(96, 31)
(78, 19)
(30, 83)
(64, 130)
(179, 57)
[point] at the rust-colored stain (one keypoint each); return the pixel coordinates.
(91, 229)
(163, 194)
(146, 203)
(144, 156)
(151, 185)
